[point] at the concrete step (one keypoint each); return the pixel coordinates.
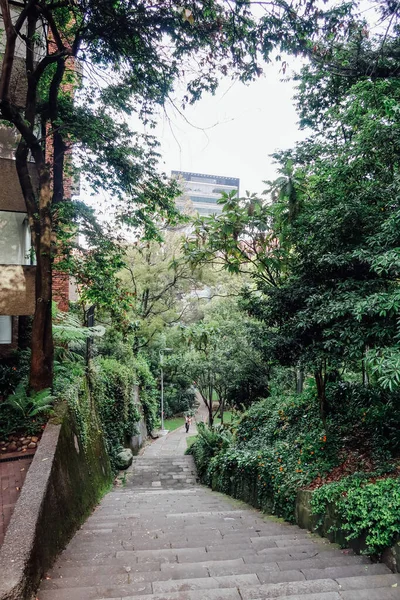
(372, 581)
(347, 571)
(374, 594)
(204, 583)
(127, 594)
(163, 537)
(292, 588)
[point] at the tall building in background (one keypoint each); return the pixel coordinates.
(204, 190)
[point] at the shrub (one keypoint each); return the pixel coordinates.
(209, 442)
(365, 508)
(280, 445)
(149, 397)
(13, 370)
(369, 417)
(113, 388)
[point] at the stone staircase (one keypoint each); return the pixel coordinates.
(163, 537)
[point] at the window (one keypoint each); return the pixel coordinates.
(15, 239)
(201, 199)
(9, 138)
(208, 211)
(5, 329)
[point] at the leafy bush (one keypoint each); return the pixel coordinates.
(113, 388)
(149, 397)
(209, 442)
(22, 412)
(31, 404)
(369, 417)
(280, 445)
(366, 508)
(13, 370)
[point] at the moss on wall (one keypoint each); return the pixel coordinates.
(80, 476)
(65, 481)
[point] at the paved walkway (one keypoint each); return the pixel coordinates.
(164, 537)
(174, 444)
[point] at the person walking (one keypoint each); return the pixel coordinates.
(188, 420)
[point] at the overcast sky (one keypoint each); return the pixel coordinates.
(234, 132)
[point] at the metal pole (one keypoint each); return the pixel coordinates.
(162, 399)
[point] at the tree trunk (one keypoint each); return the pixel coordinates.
(41, 374)
(299, 380)
(320, 379)
(210, 416)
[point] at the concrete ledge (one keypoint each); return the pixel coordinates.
(63, 484)
(17, 562)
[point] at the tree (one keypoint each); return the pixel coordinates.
(333, 302)
(159, 281)
(147, 48)
(225, 367)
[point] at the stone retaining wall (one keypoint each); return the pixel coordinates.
(64, 482)
(306, 520)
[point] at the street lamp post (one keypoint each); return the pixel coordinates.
(162, 395)
(163, 431)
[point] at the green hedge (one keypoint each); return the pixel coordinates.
(366, 507)
(280, 446)
(113, 390)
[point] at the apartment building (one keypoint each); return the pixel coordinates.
(17, 260)
(205, 190)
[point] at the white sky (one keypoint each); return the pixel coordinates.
(234, 132)
(242, 125)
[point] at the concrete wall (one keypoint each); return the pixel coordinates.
(63, 484)
(17, 290)
(11, 197)
(137, 440)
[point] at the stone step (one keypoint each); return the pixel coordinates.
(128, 592)
(279, 590)
(370, 582)
(374, 594)
(163, 537)
(351, 571)
(322, 563)
(204, 583)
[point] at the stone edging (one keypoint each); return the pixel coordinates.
(20, 552)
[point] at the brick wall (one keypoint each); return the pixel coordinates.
(61, 290)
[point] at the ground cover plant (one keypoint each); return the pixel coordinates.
(281, 445)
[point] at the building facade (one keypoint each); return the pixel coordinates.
(204, 191)
(17, 260)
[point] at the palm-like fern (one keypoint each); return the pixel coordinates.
(31, 405)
